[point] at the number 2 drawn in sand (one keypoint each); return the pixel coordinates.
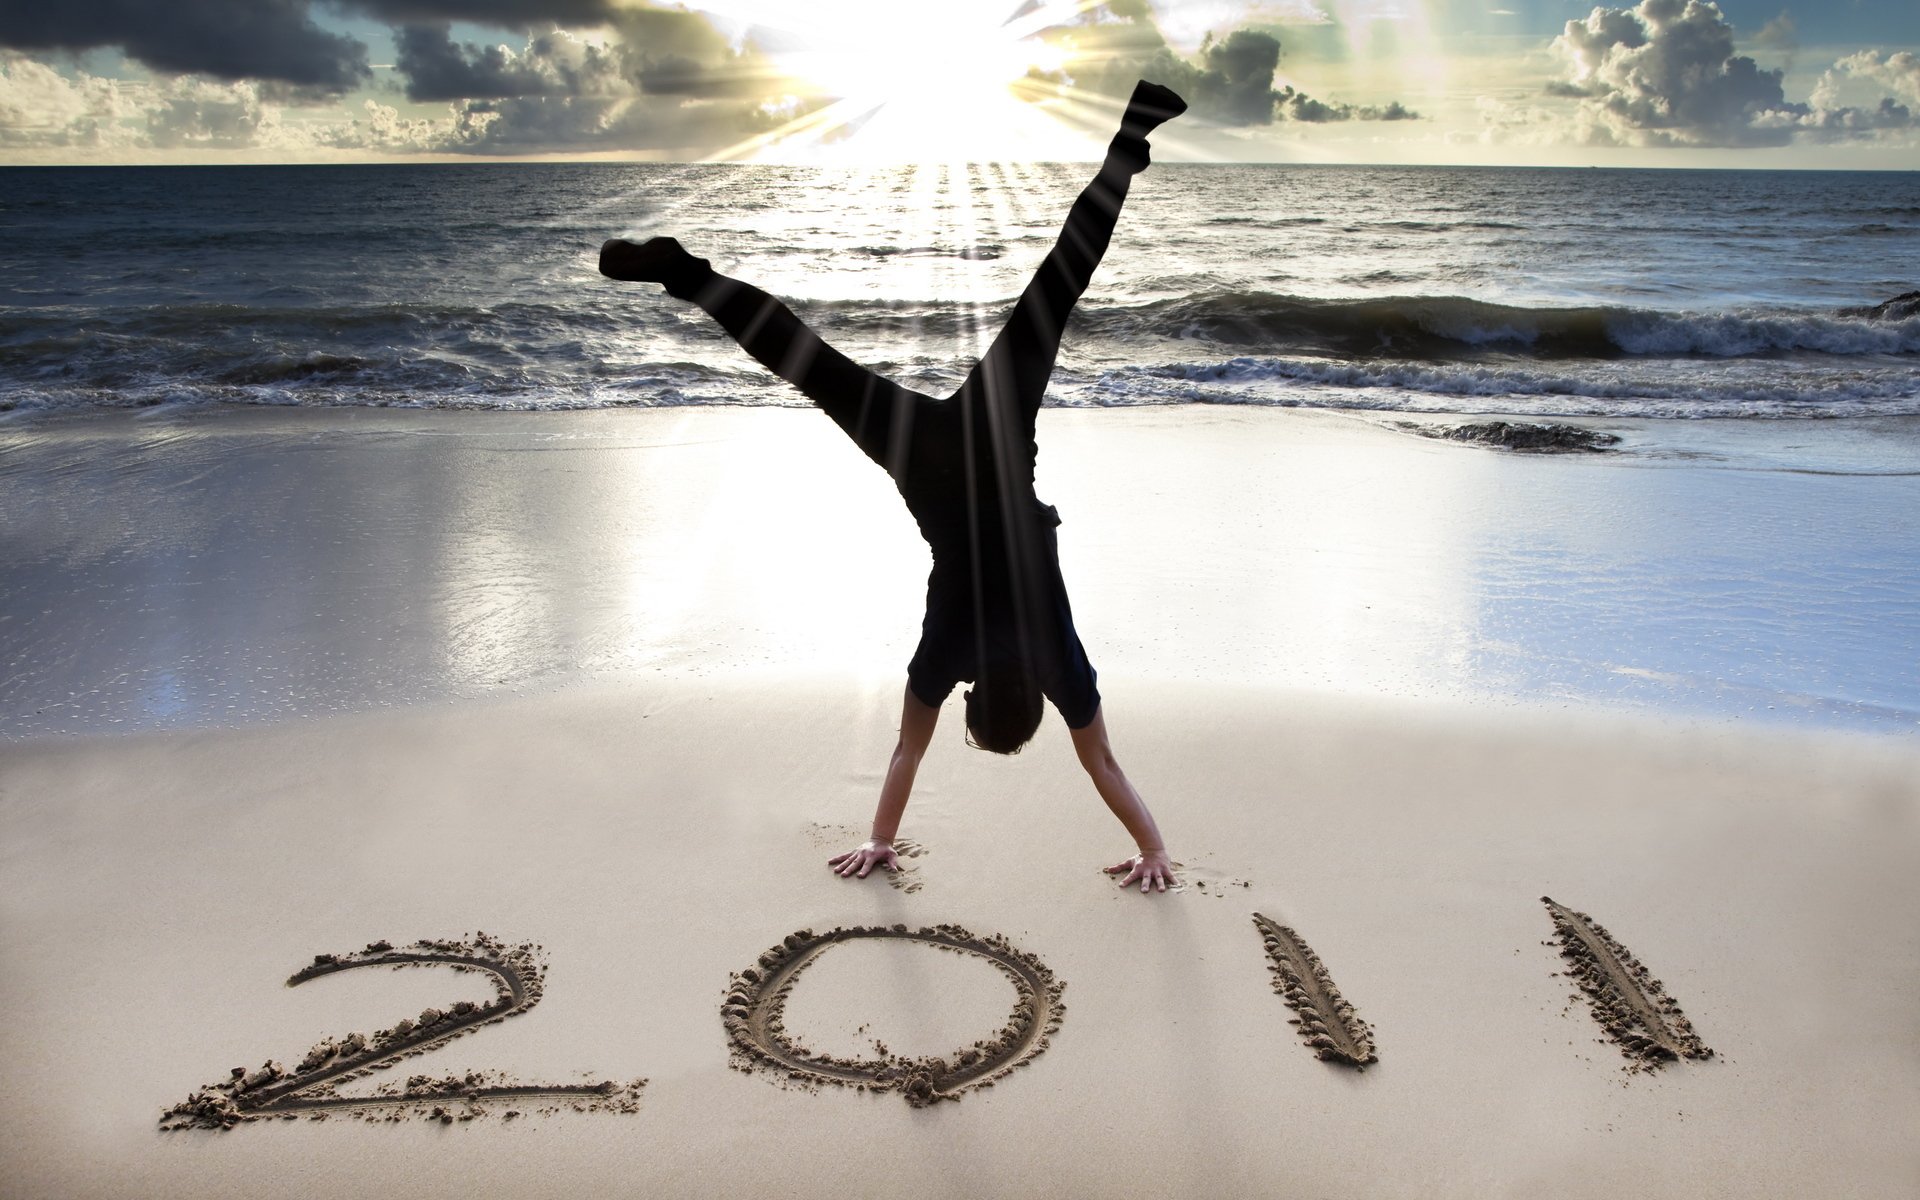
(275, 1092)
(757, 999)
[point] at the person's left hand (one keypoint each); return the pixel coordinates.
(1151, 867)
(855, 864)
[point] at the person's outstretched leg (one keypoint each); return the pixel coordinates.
(1016, 368)
(864, 404)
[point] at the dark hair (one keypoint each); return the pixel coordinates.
(1003, 708)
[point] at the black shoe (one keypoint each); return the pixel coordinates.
(657, 260)
(1151, 107)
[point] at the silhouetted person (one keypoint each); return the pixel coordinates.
(997, 613)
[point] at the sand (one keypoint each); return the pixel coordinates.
(311, 1088)
(1330, 1025)
(754, 1016)
(653, 832)
(1628, 1002)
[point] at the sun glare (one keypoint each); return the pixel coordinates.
(951, 81)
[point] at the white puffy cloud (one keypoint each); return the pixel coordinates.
(197, 113)
(1664, 73)
(39, 107)
(42, 109)
(1899, 73)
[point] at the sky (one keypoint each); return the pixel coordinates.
(1665, 83)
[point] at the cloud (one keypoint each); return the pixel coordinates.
(1236, 85)
(1779, 34)
(1664, 74)
(1298, 106)
(227, 39)
(201, 114)
(654, 80)
(649, 51)
(507, 14)
(437, 69)
(669, 81)
(1232, 83)
(39, 107)
(1186, 24)
(1898, 73)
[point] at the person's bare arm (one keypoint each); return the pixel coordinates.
(916, 731)
(1151, 867)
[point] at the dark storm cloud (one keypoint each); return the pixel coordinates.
(1237, 85)
(510, 14)
(227, 39)
(1232, 83)
(653, 79)
(1298, 106)
(436, 68)
(658, 53)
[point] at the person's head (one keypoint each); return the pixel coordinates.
(1003, 707)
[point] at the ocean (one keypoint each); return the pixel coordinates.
(1530, 293)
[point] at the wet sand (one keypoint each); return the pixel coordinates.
(211, 568)
(657, 827)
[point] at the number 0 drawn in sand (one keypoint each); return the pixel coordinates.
(1630, 1004)
(308, 1089)
(757, 998)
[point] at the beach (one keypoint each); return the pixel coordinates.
(287, 683)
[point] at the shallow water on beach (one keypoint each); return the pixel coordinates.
(193, 569)
(1527, 292)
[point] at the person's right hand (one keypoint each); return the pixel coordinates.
(1150, 867)
(855, 864)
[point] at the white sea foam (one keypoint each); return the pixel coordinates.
(1630, 292)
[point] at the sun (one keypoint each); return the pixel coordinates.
(958, 80)
(961, 50)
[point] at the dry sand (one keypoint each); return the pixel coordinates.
(657, 832)
(160, 889)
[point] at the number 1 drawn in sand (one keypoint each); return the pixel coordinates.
(273, 1091)
(1630, 1004)
(1327, 1022)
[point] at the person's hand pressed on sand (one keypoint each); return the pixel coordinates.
(1150, 868)
(855, 864)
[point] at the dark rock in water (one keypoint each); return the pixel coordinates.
(1901, 308)
(1514, 435)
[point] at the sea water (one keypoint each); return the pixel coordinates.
(1519, 292)
(174, 567)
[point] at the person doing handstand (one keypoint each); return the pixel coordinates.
(997, 614)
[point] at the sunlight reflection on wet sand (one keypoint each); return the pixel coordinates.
(217, 567)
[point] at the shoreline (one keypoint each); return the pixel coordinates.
(210, 569)
(1332, 657)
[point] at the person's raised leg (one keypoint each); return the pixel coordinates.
(862, 403)
(1016, 368)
